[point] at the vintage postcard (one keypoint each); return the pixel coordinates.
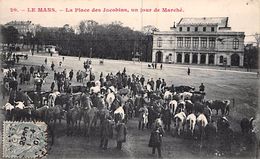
(129, 79)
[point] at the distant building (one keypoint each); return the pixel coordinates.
(51, 49)
(208, 41)
(23, 26)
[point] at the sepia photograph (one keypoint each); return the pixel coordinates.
(129, 79)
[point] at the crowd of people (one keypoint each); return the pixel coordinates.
(145, 99)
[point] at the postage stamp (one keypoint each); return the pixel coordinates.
(24, 139)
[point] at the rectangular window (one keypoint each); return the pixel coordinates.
(204, 29)
(179, 41)
(196, 29)
(212, 43)
(187, 42)
(235, 44)
(170, 40)
(212, 29)
(195, 42)
(188, 28)
(159, 42)
(180, 29)
(203, 42)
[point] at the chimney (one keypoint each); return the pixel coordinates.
(226, 23)
(174, 26)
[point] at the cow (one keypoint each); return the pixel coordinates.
(52, 97)
(180, 120)
(191, 122)
(181, 89)
(219, 105)
(119, 113)
(168, 95)
(246, 125)
(189, 106)
(9, 111)
(173, 106)
(185, 96)
(110, 99)
(22, 112)
(77, 89)
(197, 97)
(202, 122)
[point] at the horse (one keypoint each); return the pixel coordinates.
(64, 99)
(73, 117)
(89, 119)
(54, 113)
(40, 114)
(76, 97)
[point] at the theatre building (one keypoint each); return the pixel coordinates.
(207, 41)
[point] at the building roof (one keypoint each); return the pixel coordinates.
(220, 21)
(19, 23)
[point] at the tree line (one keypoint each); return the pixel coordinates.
(89, 38)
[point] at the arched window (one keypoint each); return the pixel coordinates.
(221, 59)
(159, 42)
(235, 43)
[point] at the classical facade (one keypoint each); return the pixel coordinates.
(23, 26)
(208, 41)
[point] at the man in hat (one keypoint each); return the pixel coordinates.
(106, 131)
(121, 133)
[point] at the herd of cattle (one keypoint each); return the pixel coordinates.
(92, 103)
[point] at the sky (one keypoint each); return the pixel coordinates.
(244, 15)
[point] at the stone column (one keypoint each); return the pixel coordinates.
(190, 57)
(215, 59)
(154, 56)
(198, 58)
(241, 62)
(174, 57)
(228, 60)
(207, 59)
(182, 57)
(199, 43)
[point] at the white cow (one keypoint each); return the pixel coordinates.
(180, 119)
(97, 87)
(8, 107)
(191, 121)
(110, 99)
(120, 111)
(202, 120)
(52, 97)
(173, 106)
(167, 95)
(185, 95)
(6, 71)
(19, 105)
